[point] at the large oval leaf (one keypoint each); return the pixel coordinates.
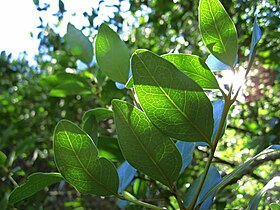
(77, 159)
(35, 183)
(172, 101)
(112, 54)
(79, 44)
(218, 31)
(143, 146)
(195, 68)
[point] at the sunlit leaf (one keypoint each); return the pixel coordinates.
(126, 174)
(3, 158)
(195, 68)
(143, 146)
(112, 54)
(79, 44)
(274, 206)
(77, 159)
(218, 31)
(34, 183)
(172, 101)
(226, 179)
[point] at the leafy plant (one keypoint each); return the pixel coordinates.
(166, 114)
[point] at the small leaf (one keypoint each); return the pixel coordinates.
(172, 101)
(99, 113)
(3, 158)
(256, 36)
(143, 146)
(218, 31)
(70, 88)
(79, 44)
(212, 178)
(216, 65)
(239, 170)
(129, 83)
(34, 183)
(109, 148)
(194, 67)
(140, 187)
(126, 174)
(186, 149)
(274, 206)
(254, 202)
(112, 54)
(77, 159)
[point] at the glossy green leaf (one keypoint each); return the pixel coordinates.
(112, 54)
(79, 44)
(254, 202)
(239, 170)
(172, 101)
(143, 146)
(34, 183)
(195, 68)
(3, 158)
(77, 159)
(218, 31)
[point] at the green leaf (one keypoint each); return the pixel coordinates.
(226, 179)
(129, 83)
(143, 146)
(99, 113)
(218, 31)
(274, 206)
(77, 159)
(79, 44)
(256, 36)
(254, 202)
(109, 148)
(112, 54)
(34, 183)
(70, 88)
(3, 158)
(195, 68)
(172, 101)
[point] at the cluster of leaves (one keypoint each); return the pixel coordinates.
(156, 136)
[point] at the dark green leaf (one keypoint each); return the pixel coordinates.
(99, 113)
(195, 68)
(218, 31)
(254, 202)
(79, 44)
(3, 158)
(77, 159)
(256, 36)
(143, 146)
(109, 148)
(172, 101)
(239, 170)
(34, 184)
(112, 54)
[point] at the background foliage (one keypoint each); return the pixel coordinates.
(33, 99)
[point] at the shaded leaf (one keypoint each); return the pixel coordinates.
(99, 113)
(186, 149)
(70, 88)
(3, 158)
(218, 31)
(143, 146)
(172, 101)
(239, 170)
(194, 67)
(212, 178)
(77, 159)
(255, 200)
(126, 174)
(79, 44)
(34, 183)
(112, 54)
(256, 36)
(109, 148)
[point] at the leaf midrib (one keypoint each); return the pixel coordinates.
(85, 169)
(216, 27)
(173, 103)
(146, 151)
